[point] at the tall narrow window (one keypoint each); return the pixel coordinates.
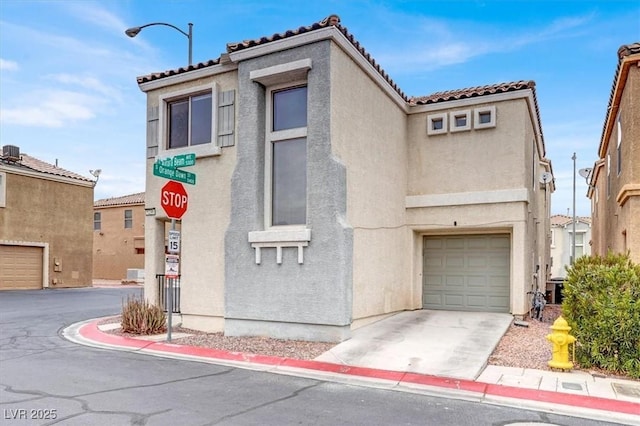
(128, 219)
(97, 221)
(619, 145)
(190, 121)
(608, 175)
(287, 157)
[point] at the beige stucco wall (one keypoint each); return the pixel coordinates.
(203, 226)
(56, 213)
(470, 168)
(114, 246)
(368, 135)
(616, 224)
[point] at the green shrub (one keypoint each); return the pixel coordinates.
(141, 317)
(601, 302)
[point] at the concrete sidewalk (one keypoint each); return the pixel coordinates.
(574, 393)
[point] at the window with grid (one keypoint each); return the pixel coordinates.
(97, 221)
(128, 219)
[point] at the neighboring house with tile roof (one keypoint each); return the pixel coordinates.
(327, 199)
(118, 238)
(615, 180)
(562, 242)
(45, 224)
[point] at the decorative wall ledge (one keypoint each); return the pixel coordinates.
(278, 239)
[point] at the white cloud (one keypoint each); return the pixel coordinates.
(55, 108)
(7, 65)
(87, 82)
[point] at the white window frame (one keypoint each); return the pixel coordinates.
(272, 137)
(484, 110)
(203, 150)
(454, 115)
(437, 117)
(553, 238)
(98, 222)
(3, 189)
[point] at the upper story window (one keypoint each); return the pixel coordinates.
(437, 124)
(3, 189)
(619, 144)
(608, 175)
(460, 120)
(286, 156)
(128, 219)
(198, 119)
(484, 117)
(97, 221)
(190, 121)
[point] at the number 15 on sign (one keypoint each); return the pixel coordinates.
(174, 242)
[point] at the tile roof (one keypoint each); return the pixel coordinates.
(31, 163)
(623, 51)
(137, 198)
(472, 92)
(334, 21)
(329, 21)
(561, 219)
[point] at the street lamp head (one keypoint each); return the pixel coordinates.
(133, 31)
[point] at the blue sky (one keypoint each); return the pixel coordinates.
(68, 88)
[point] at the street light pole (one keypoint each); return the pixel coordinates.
(133, 31)
(573, 238)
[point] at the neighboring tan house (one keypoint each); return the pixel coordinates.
(562, 242)
(327, 199)
(45, 224)
(118, 237)
(615, 181)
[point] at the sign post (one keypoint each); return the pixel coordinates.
(174, 200)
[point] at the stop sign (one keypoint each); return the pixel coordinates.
(174, 199)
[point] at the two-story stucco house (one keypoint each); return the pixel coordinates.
(615, 181)
(562, 242)
(118, 237)
(327, 199)
(45, 224)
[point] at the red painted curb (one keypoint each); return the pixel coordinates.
(561, 398)
(90, 331)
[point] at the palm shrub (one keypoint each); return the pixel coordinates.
(141, 317)
(601, 302)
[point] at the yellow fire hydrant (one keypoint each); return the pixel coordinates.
(561, 339)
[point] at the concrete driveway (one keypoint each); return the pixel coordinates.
(440, 343)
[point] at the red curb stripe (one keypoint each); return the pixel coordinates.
(90, 331)
(593, 402)
(344, 369)
(445, 382)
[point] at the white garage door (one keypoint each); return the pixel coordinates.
(466, 273)
(20, 267)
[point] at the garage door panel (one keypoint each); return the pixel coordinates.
(454, 261)
(475, 274)
(20, 267)
(454, 243)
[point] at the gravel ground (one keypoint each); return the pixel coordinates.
(523, 347)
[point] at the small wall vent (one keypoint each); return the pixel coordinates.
(11, 153)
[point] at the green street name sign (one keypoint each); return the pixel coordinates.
(182, 160)
(174, 174)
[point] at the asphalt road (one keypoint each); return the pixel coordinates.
(45, 379)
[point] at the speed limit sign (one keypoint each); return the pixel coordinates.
(174, 242)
